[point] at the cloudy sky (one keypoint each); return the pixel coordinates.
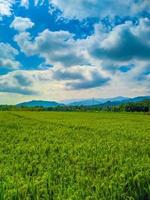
(72, 49)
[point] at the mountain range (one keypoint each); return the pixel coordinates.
(86, 102)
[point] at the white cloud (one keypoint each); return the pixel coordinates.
(100, 8)
(124, 43)
(81, 77)
(7, 56)
(125, 46)
(81, 9)
(6, 7)
(19, 82)
(25, 3)
(55, 47)
(21, 24)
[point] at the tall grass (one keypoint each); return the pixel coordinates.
(104, 156)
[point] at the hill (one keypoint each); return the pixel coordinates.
(36, 103)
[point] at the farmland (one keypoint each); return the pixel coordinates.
(74, 155)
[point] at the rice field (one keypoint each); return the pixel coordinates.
(74, 156)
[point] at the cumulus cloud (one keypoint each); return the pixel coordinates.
(7, 56)
(16, 82)
(96, 80)
(79, 78)
(81, 9)
(137, 79)
(21, 24)
(23, 79)
(121, 48)
(63, 74)
(125, 42)
(55, 47)
(140, 73)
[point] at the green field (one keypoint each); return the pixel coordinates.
(70, 156)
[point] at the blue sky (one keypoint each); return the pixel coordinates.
(58, 50)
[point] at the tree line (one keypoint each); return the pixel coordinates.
(143, 106)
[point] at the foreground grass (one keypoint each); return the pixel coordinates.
(104, 156)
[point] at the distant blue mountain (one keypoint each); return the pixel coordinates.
(128, 100)
(111, 103)
(88, 102)
(97, 101)
(108, 101)
(119, 99)
(136, 99)
(36, 103)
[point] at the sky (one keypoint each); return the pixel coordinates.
(60, 50)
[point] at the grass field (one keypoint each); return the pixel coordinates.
(70, 156)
